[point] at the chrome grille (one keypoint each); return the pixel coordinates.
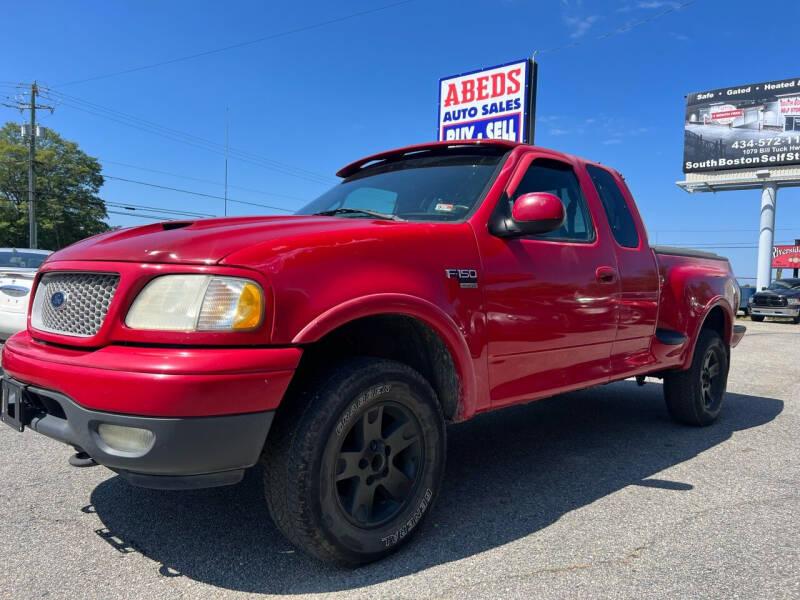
(73, 304)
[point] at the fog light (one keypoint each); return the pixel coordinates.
(126, 439)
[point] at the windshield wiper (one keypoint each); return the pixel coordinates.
(360, 211)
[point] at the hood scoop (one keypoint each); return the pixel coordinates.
(169, 225)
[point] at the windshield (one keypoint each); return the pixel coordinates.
(426, 188)
(19, 259)
(784, 284)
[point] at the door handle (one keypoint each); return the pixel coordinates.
(605, 275)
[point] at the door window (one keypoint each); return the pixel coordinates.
(558, 178)
(619, 214)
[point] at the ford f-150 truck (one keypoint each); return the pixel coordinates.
(434, 283)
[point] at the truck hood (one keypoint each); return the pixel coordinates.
(205, 241)
(791, 293)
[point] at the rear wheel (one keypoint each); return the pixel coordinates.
(757, 318)
(694, 396)
(352, 466)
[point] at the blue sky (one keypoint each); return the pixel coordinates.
(305, 103)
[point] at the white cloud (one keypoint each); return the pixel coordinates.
(580, 25)
(612, 141)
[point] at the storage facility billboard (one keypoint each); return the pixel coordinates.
(486, 104)
(750, 126)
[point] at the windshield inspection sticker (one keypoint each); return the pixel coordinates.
(467, 278)
(442, 207)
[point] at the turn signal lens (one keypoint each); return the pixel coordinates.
(250, 308)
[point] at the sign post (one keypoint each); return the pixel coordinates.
(494, 103)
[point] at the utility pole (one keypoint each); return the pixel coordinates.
(32, 134)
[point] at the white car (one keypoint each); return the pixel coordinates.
(18, 267)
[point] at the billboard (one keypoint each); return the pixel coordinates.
(786, 257)
(489, 103)
(750, 126)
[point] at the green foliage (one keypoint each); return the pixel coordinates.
(67, 182)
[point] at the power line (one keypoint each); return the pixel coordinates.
(174, 189)
(201, 180)
(187, 138)
(141, 216)
(265, 38)
(621, 29)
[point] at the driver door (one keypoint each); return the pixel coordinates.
(552, 298)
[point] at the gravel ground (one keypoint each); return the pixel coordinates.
(591, 494)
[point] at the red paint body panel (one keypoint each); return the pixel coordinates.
(547, 316)
(160, 382)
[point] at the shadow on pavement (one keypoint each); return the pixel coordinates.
(509, 474)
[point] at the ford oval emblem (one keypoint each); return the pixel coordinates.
(58, 300)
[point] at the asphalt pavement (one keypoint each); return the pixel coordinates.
(595, 494)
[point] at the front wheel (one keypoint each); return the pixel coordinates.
(757, 318)
(694, 396)
(796, 319)
(353, 465)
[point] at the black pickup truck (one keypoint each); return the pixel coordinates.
(780, 299)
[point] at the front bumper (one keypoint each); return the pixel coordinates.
(774, 311)
(185, 453)
(209, 408)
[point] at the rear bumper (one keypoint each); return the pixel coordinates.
(770, 311)
(185, 452)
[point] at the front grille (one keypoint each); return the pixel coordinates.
(769, 301)
(73, 304)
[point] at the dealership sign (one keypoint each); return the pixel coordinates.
(786, 257)
(491, 103)
(750, 126)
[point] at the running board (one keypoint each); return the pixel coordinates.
(668, 337)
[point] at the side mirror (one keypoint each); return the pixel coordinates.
(538, 212)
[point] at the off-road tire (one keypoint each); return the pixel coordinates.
(694, 396)
(302, 460)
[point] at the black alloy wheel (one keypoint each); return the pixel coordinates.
(710, 381)
(378, 465)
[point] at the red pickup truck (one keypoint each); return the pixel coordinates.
(433, 283)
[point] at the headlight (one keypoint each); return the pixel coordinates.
(793, 301)
(197, 303)
(750, 300)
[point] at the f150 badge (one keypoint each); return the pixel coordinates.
(467, 278)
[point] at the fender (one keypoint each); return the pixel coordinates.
(716, 301)
(402, 304)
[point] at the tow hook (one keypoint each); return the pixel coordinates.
(81, 459)
(640, 380)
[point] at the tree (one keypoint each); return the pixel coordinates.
(67, 181)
